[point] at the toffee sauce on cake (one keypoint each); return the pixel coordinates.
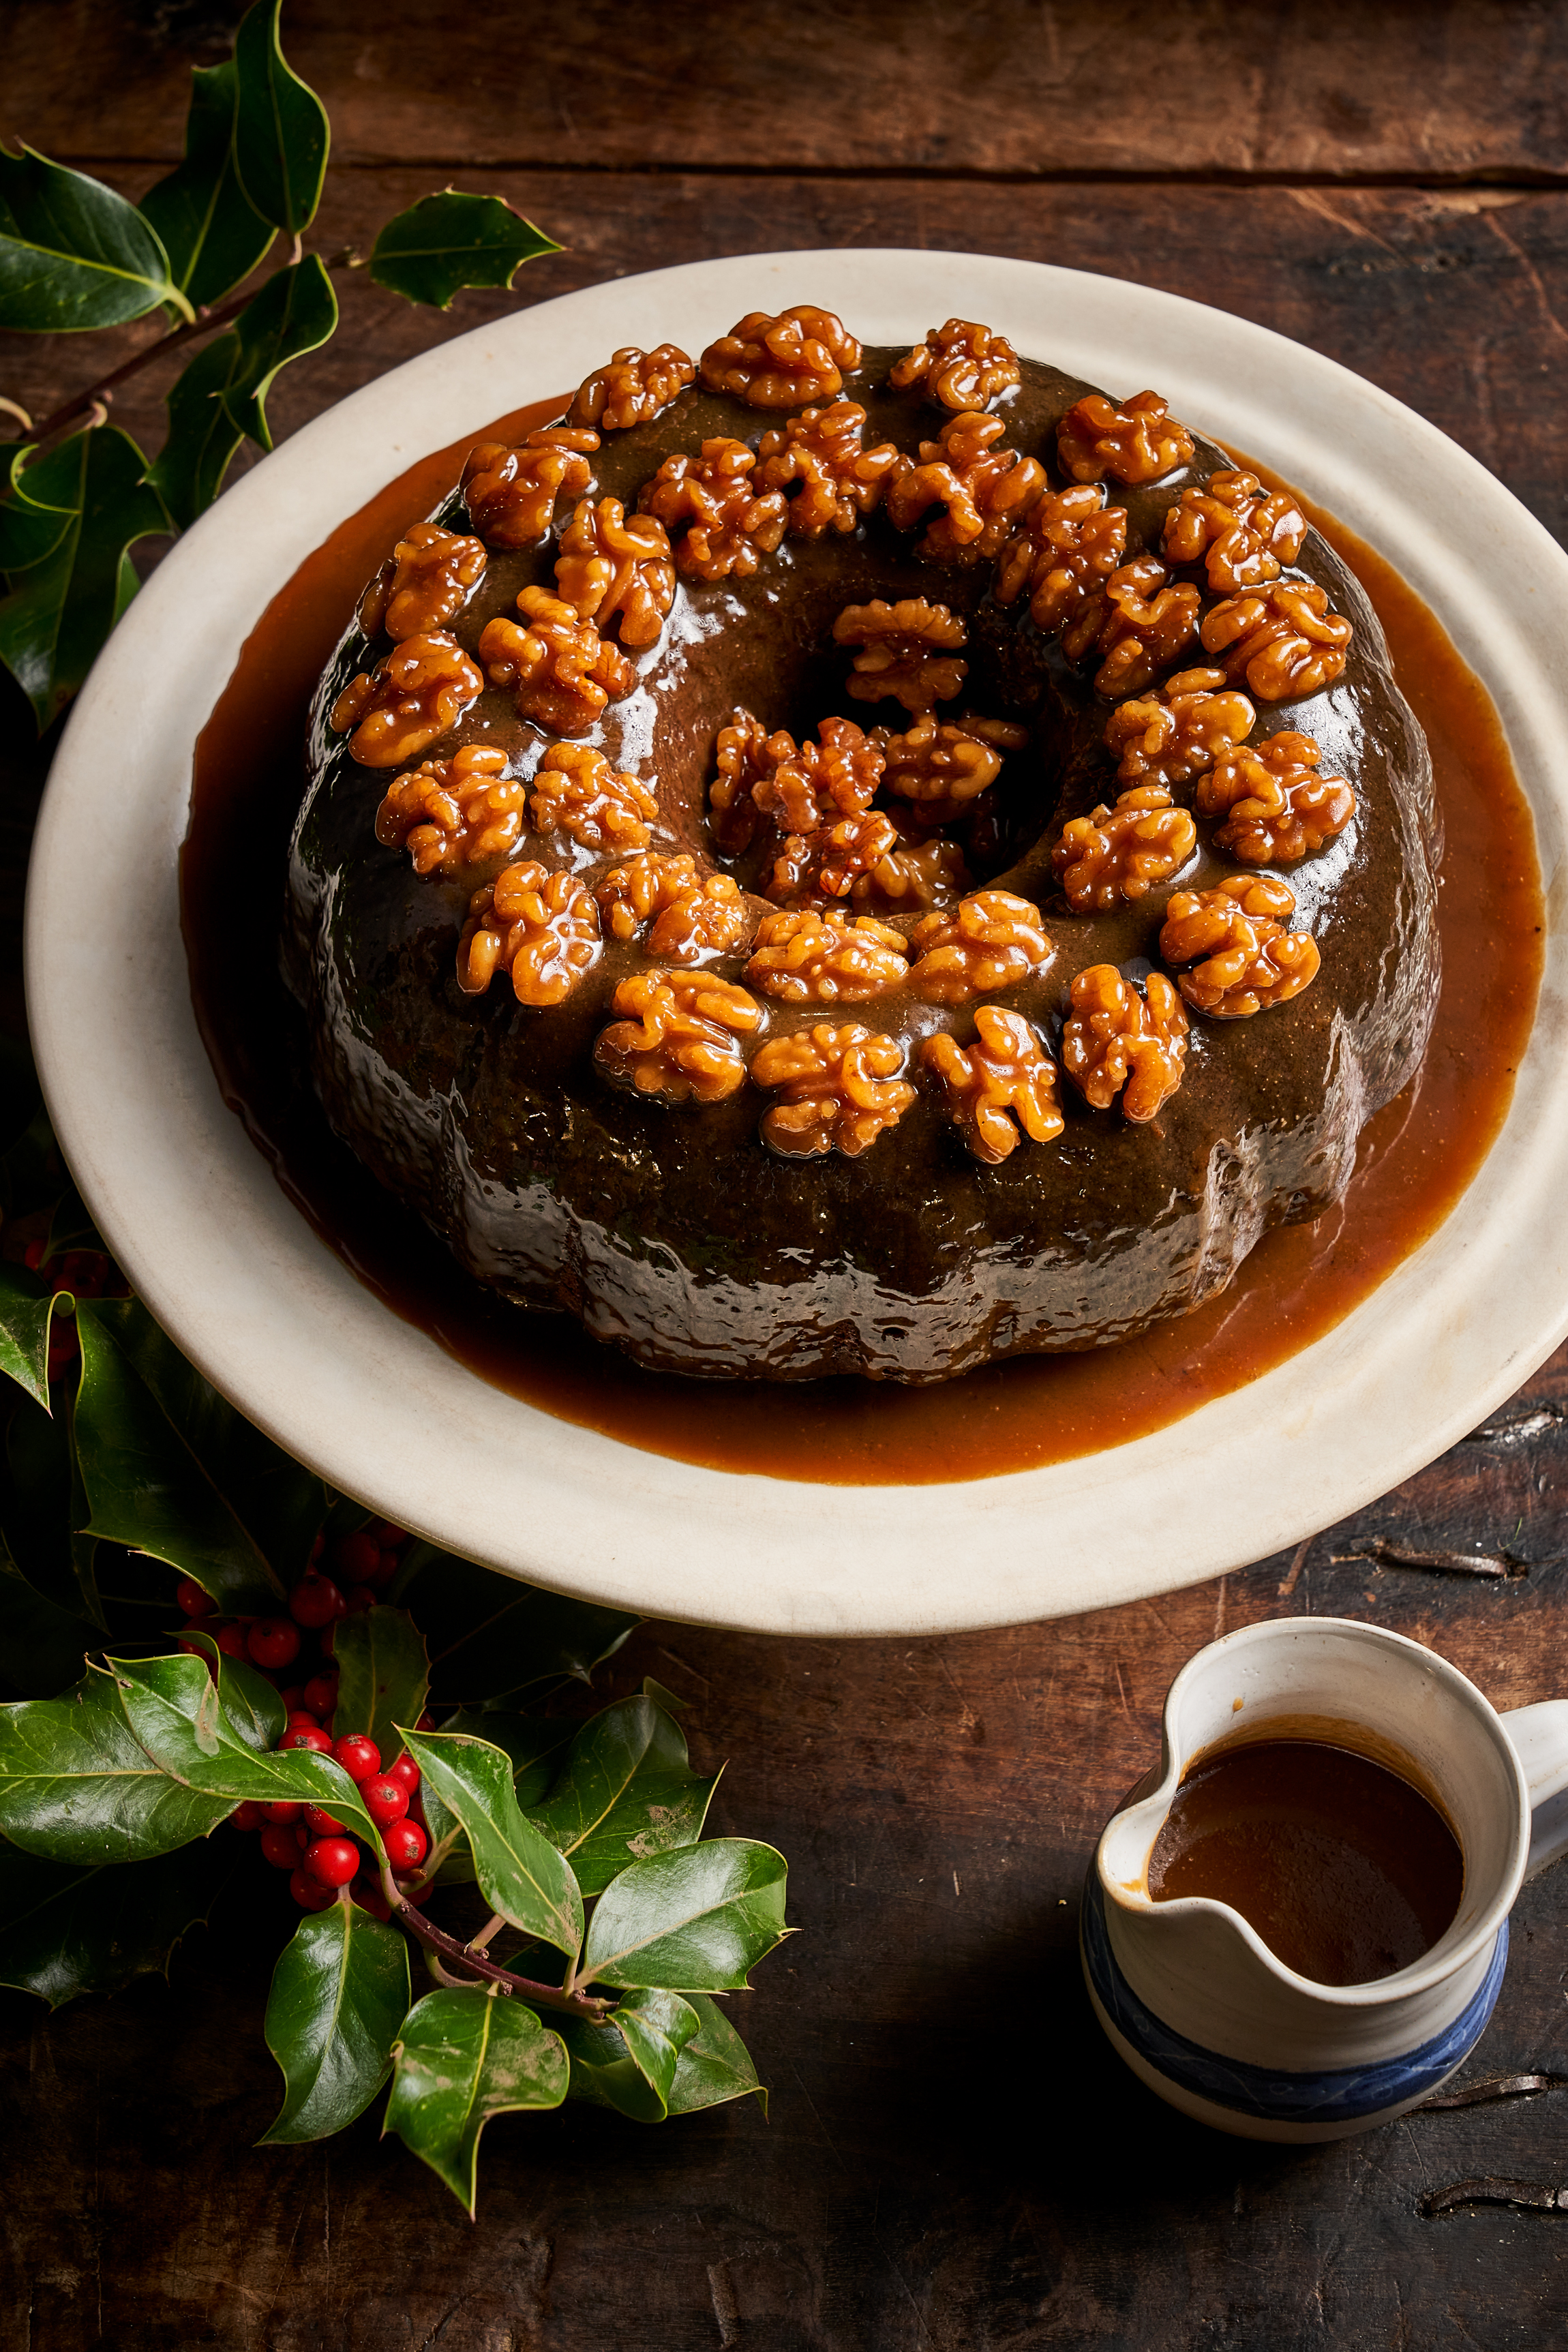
(1414, 1158)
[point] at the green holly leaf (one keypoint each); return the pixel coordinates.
(714, 2066)
(251, 1703)
(463, 2057)
(626, 1792)
(448, 241)
(42, 1648)
(26, 1310)
(39, 508)
(176, 1715)
(281, 133)
(533, 1744)
(60, 608)
(74, 255)
(490, 1637)
(75, 1785)
(66, 1929)
(172, 1469)
(520, 1874)
(629, 2061)
(38, 1511)
(381, 1675)
(212, 234)
(340, 1993)
(695, 1921)
(221, 396)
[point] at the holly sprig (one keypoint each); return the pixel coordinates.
(221, 1666)
(77, 494)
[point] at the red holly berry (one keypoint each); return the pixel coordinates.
(358, 1556)
(383, 1799)
(33, 1255)
(273, 1642)
(319, 1546)
(358, 1598)
(333, 1860)
(287, 1808)
(407, 1845)
(281, 1847)
(387, 1534)
(426, 1722)
(386, 1569)
(359, 1757)
(309, 1892)
(407, 1770)
(326, 1635)
(319, 1694)
(306, 1735)
(301, 1719)
(293, 1698)
(192, 1599)
(321, 1823)
(315, 1601)
(230, 1640)
(248, 1816)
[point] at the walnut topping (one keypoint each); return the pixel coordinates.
(680, 1036)
(511, 493)
(831, 862)
(991, 939)
(1137, 622)
(1244, 960)
(962, 365)
(692, 916)
(783, 362)
(904, 875)
(1284, 640)
(1136, 443)
(542, 928)
(839, 1090)
(985, 491)
(731, 524)
(577, 791)
(1000, 1089)
(425, 584)
(950, 762)
(408, 701)
(1179, 730)
(839, 772)
(820, 959)
(453, 812)
(823, 450)
(1064, 555)
(1114, 855)
(1276, 807)
(906, 652)
(1244, 537)
(632, 388)
(746, 755)
(1116, 1038)
(564, 671)
(614, 564)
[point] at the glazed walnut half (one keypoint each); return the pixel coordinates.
(1138, 625)
(906, 652)
(782, 362)
(449, 813)
(820, 464)
(632, 388)
(577, 791)
(728, 523)
(1068, 549)
(1138, 443)
(1115, 855)
(511, 494)
(541, 927)
(425, 584)
(839, 1090)
(1243, 958)
(562, 671)
(812, 958)
(680, 1037)
(679, 915)
(961, 364)
(1000, 1089)
(617, 567)
(1119, 1042)
(1240, 537)
(991, 939)
(984, 488)
(408, 701)
(1276, 806)
(1179, 730)
(1284, 640)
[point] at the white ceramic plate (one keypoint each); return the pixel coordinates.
(273, 1318)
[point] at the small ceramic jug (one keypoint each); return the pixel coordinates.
(1188, 1992)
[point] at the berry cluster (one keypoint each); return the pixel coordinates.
(302, 1838)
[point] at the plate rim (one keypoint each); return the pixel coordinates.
(136, 1110)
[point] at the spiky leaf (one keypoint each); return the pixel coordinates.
(73, 255)
(76, 1784)
(282, 131)
(461, 2058)
(521, 1873)
(451, 240)
(626, 1792)
(695, 1921)
(382, 1677)
(339, 1994)
(67, 1929)
(213, 234)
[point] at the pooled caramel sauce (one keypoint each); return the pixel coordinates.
(1415, 1157)
(1346, 1871)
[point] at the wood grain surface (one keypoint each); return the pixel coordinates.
(954, 2162)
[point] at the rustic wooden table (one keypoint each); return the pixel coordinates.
(954, 2159)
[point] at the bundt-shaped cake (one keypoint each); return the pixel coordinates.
(827, 860)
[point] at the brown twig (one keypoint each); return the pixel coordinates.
(1496, 2087)
(586, 2006)
(1535, 2196)
(1389, 1552)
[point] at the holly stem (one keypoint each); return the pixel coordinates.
(472, 1957)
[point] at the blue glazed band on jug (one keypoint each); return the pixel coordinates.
(1187, 1991)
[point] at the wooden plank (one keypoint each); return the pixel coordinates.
(1014, 86)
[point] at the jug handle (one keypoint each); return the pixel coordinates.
(1539, 1735)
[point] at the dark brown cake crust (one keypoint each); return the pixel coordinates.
(673, 1232)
